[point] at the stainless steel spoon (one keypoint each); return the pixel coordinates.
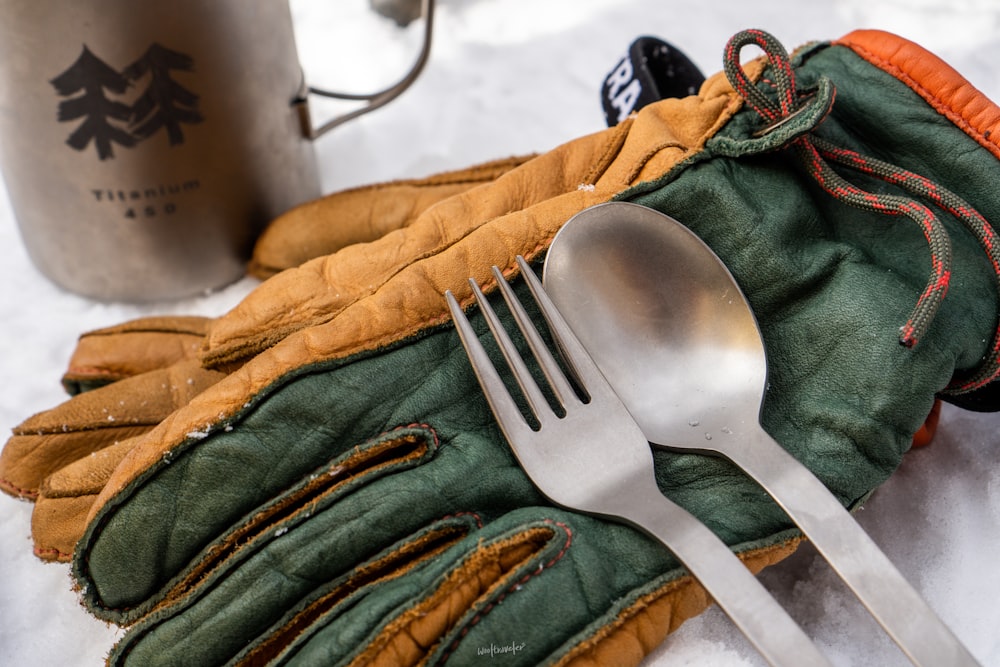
(670, 329)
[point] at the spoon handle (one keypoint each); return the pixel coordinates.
(852, 554)
(765, 623)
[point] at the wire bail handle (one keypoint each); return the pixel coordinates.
(374, 100)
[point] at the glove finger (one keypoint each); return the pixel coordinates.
(94, 420)
(360, 215)
(133, 348)
(412, 619)
(391, 288)
(219, 502)
(233, 625)
(528, 581)
(66, 498)
(395, 608)
(537, 584)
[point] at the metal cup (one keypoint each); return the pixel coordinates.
(145, 145)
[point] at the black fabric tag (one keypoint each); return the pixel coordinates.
(651, 70)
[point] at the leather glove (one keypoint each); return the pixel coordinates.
(362, 214)
(61, 458)
(343, 493)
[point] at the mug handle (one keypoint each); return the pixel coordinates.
(375, 100)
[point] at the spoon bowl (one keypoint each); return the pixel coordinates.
(670, 329)
(665, 321)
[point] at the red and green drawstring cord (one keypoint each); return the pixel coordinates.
(817, 155)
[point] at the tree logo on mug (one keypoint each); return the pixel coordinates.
(96, 95)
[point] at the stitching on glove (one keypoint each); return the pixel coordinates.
(14, 490)
(531, 574)
(193, 325)
(650, 154)
(392, 565)
(396, 451)
(953, 100)
(401, 447)
(52, 554)
(515, 586)
(486, 569)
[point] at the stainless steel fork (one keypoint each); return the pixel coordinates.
(568, 457)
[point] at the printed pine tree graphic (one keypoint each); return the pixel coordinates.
(165, 103)
(91, 77)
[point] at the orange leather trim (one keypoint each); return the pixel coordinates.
(925, 435)
(934, 80)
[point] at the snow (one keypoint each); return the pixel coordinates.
(511, 77)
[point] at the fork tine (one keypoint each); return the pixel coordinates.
(501, 403)
(562, 389)
(537, 402)
(507, 412)
(581, 365)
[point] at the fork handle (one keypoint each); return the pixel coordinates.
(852, 554)
(764, 622)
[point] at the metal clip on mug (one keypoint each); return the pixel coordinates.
(145, 145)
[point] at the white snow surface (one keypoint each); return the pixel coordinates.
(509, 77)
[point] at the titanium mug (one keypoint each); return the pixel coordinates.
(145, 145)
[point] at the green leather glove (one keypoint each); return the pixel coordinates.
(343, 494)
